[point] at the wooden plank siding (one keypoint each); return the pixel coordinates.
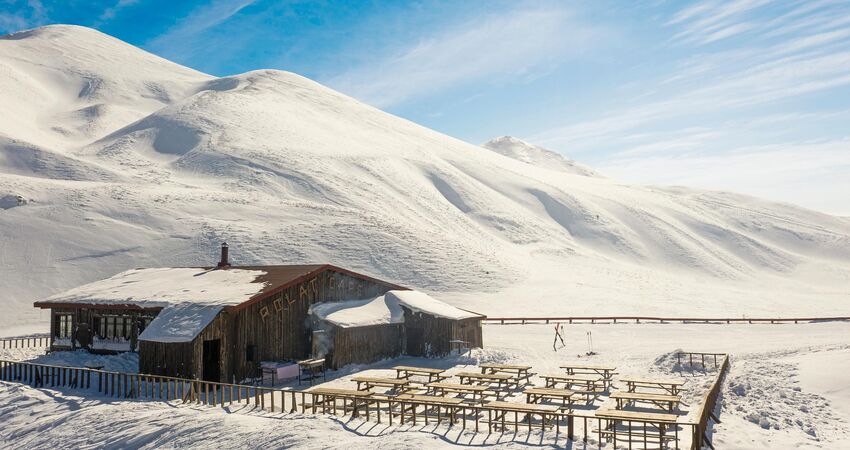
(431, 336)
(366, 344)
(277, 326)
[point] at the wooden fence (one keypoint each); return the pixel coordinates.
(470, 417)
(36, 340)
(649, 319)
(709, 400)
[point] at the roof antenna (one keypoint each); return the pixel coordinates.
(224, 263)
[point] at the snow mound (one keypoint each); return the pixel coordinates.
(536, 156)
(359, 313)
(420, 302)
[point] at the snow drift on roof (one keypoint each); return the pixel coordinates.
(156, 288)
(385, 309)
(421, 302)
(180, 323)
(359, 313)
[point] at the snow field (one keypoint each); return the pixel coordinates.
(779, 373)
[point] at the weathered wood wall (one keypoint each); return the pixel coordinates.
(366, 344)
(431, 336)
(278, 326)
(173, 359)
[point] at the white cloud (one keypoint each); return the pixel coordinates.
(511, 45)
(31, 16)
(173, 42)
(812, 175)
(110, 12)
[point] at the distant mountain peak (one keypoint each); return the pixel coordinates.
(535, 155)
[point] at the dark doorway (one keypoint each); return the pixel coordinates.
(212, 360)
(415, 341)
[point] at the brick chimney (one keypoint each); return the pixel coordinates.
(224, 263)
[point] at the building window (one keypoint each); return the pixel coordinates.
(114, 327)
(65, 328)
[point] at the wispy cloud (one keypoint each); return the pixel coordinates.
(29, 14)
(711, 21)
(813, 174)
(509, 45)
(179, 39)
(110, 12)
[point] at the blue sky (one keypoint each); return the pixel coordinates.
(745, 95)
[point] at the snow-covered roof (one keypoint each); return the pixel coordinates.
(421, 302)
(385, 309)
(359, 313)
(180, 323)
(157, 288)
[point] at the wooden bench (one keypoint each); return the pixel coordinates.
(660, 421)
(497, 412)
(409, 371)
(503, 381)
(367, 383)
(663, 401)
(671, 386)
(409, 404)
(535, 395)
(478, 392)
(520, 372)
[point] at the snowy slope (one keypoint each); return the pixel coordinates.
(289, 171)
(535, 155)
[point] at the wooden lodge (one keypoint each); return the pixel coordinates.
(219, 323)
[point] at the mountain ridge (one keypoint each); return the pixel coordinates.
(289, 171)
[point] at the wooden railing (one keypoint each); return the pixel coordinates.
(702, 357)
(35, 340)
(651, 319)
(161, 388)
(709, 402)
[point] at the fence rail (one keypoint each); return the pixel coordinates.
(470, 417)
(35, 340)
(709, 401)
(649, 319)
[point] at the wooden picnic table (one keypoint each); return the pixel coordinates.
(442, 388)
(408, 404)
(535, 395)
(660, 421)
(502, 380)
(498, 410)
(328, 397)
(671, 386)
(661, 400)
(409, 371)
(606, 372)
(369, 382)
(521, 372)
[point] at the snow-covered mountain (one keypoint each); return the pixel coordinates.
(536, 155)
(112, 158)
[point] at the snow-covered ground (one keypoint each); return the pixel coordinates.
(782, 392)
